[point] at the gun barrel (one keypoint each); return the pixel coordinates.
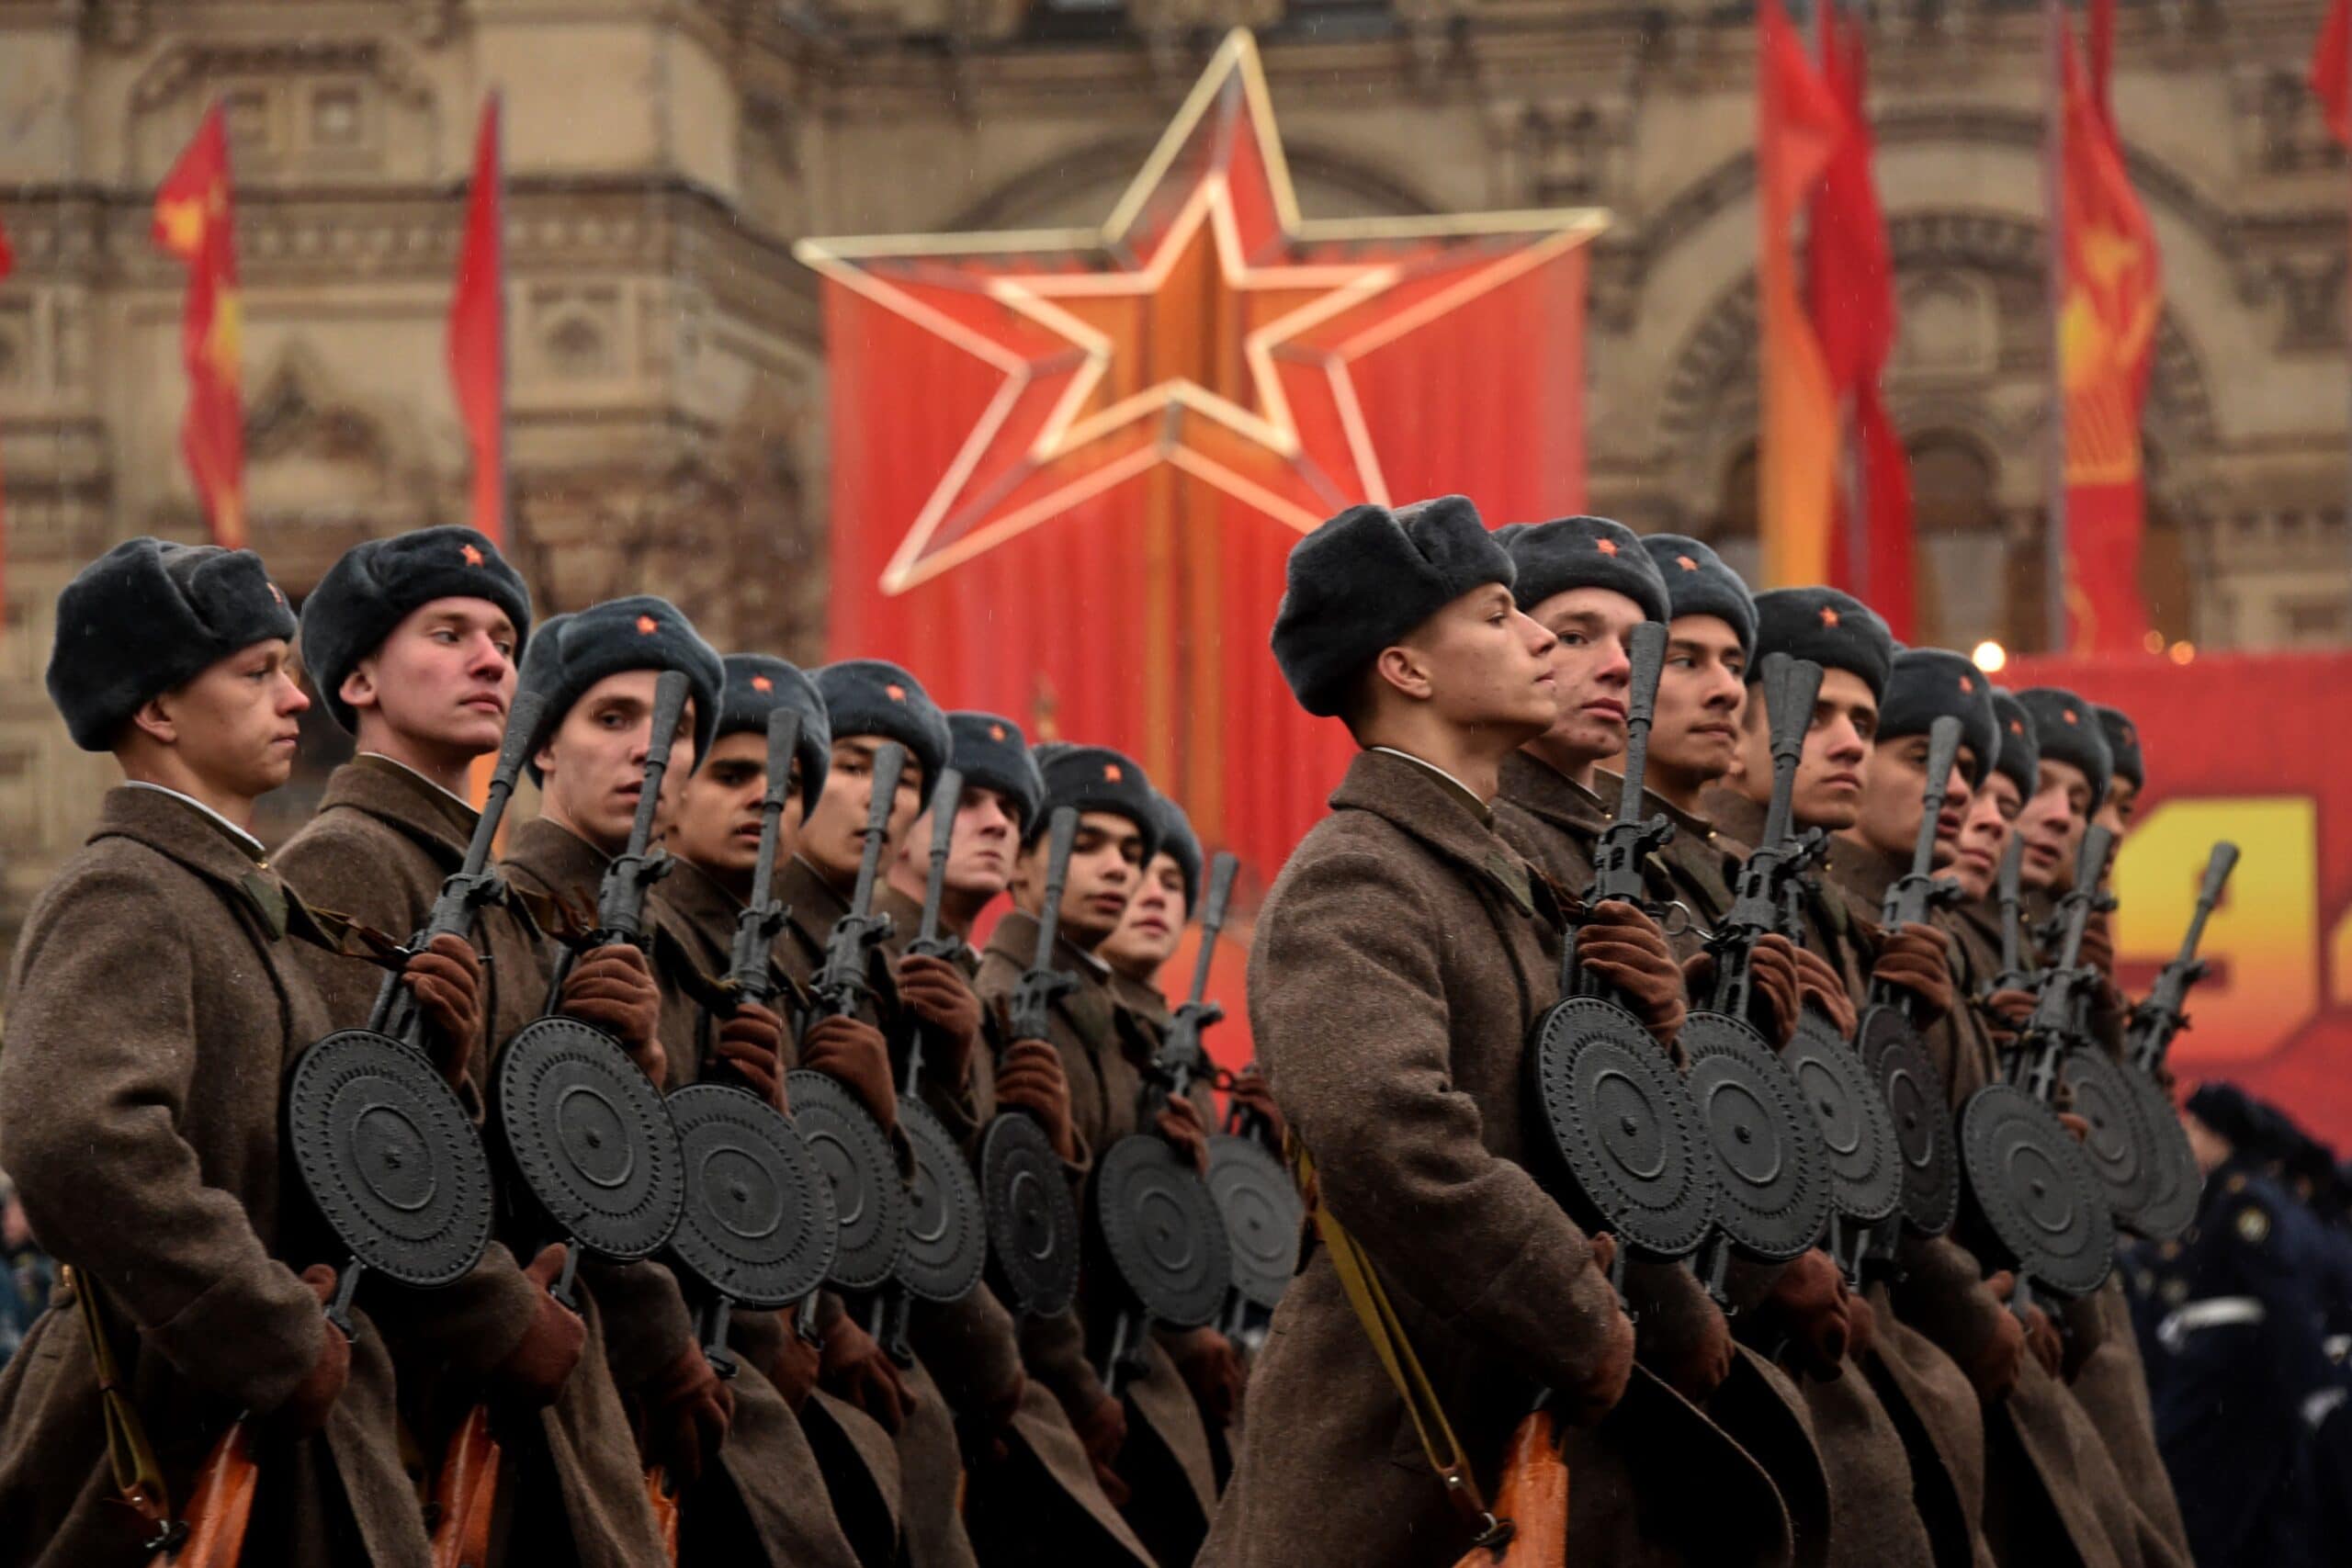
(1221, 873)
(890, 765)
(945, 801)
(1792, 687)
(1943, 749)
(669, 706)
(2218, 866)
(2011, 898)
(2084, 897)
(1641, 707)
(748, 969)
(1061, 836)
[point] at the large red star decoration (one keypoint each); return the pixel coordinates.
(1067, 463)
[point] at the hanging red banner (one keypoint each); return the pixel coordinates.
(1068, 465)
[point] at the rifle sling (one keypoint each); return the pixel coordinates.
(137, 1475)
(1371, 1307)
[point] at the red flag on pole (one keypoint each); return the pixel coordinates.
(2110, 299)
(2330, 73)
(1799, 126)
(195, 224)
(478, 330)
(1850, 289)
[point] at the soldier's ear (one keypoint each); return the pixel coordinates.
(1401, 667)
(154, 718)
(358, 689)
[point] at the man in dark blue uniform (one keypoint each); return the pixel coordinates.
(2238, 1340)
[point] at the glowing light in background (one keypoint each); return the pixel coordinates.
(1990, 656)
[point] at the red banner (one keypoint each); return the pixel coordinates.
(478, 330)
(196, 223)
(1067, 466)
(2234, 753)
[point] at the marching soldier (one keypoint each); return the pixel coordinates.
(1148, 1442)
(141, 1120)
(1400, 961)
(1934, 1402)
(596, 671)
(413, 643)
(2044, 1460)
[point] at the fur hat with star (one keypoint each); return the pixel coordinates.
(991, 753)
(148, 615)
(1699, 583)
(1095, 778)
(375, 585)
(2020, 758)
(2068, 728)
(573, 652)
(760, 683)
(1835, 630)
(1585, 552)
(874, 696)
(2123, 745)
(1928, 683)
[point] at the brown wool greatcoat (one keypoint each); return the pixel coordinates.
(1401, 959)
(2112, 1386)
(1924, 1394)
(929, 1461)
(155, 1009)
(384, 840)
(1555, 822)
(1103, 1049)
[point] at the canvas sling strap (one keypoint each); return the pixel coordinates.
(1373, 1309)
(137, 1475)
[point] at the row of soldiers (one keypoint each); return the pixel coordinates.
(1934, 1413)
(170, 981)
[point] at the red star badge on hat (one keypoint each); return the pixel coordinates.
(1105, 378)
(1966, 684)
(1112, 773)
(996, 732)
(1686, 563)
(276, 594)
(2070, 716)
(1828, 615)
(762, 683)
(647, 626)
(473, 555)
(1606, 546)
(2016, 727)
(895, 691)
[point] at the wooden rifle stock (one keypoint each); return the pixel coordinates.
(221, 1506)
(465, 1493)
(665, 1509)
(1532, 1503)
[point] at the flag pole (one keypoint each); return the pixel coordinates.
(2054, 565)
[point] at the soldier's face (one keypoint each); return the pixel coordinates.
(593, 768)
(2053, 824)
(1895, 792)
(442, 680)
(1105, 867)
(1154, 920)
(2121, 804)
(981, 851)
(1480, 665)
(1592, 671)
(235, 726)
(833, 840)
(717, 823)
(1984, 835)
(1827, 790)
(1701, 691)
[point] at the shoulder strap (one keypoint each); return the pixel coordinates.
(1389, 1343)
(137, 1475)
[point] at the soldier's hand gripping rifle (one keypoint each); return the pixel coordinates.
(1033, 1219)
(1164, 1233)
(2155, 1022)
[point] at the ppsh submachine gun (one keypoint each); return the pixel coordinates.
(2175, 1181)
(1034, 1230)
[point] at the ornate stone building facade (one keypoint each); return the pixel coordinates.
(667, 384)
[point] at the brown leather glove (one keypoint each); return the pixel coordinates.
(949, 1011)
(1179, 1122)
(1624, 946)
(535, 1370)
(1993, 1367)
(1612, 1361)
(1819, 984)
(2079, 1126)
(612, 988)
(2006, 1011)
(751, 1045)
(795, 1366)
(446, 980)
(2042, 1340)
(1103, 1432)
(1680, 1332)
(854, 1369)
(1029, 1077)
(1917, 958)
(1773, 987)
(852, 1055)
(1807, 1307)
(1252, 1092)
(687, 1410)
(1212, 1369)
(306, 1409)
